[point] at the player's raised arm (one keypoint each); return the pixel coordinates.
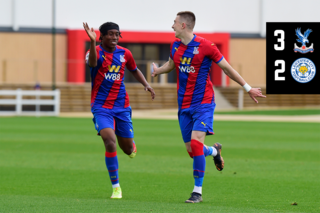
(234, 75)
(92, 54)
(167, 67)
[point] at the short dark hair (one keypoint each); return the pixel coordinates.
(189, 17)
(105, 27)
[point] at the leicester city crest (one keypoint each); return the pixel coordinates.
(303, 70)
(303, 39)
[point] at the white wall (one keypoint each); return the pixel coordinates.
(234, 16)
(289, 11)
(158, 15)
(5, 13)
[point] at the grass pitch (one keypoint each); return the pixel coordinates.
(57, 165)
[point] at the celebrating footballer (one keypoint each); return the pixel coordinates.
(191, 56)
(109, 100)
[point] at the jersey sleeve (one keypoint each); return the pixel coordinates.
(171, 56)
(87, 56)
(131, 64)
(213, 52)
(174, 47)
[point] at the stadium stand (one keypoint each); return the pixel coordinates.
(231, 94)
(76, 98)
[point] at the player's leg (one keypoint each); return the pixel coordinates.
(124, 131)
(109, 139)
(104, 124)
(207, 150)
(127, 145)
(186, 125)
(199, 165)
(111, 158)
(204, 122)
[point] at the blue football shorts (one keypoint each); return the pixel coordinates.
(117, 119)
(198, 118)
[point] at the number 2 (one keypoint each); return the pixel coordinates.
(281, 40)
(281, 70)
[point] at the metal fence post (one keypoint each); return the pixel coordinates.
(19, 102)
(57, 102)
(240, 99)
(37, 103)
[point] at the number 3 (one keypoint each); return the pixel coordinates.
(281, 40)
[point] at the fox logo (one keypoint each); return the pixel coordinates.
(185, 60)
(114, 68)
(303, 69)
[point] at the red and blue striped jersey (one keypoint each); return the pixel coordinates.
(107, 87)
(193, 63)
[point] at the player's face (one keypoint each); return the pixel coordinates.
(177, 26)
(110, 40)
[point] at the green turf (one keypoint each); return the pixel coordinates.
(288, 112)
(57, 165)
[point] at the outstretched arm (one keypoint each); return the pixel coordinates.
(92, 54)
(140, 77)
(234, 75)
(167, 67)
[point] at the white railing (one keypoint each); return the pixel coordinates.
(19, 101)
(240, 99)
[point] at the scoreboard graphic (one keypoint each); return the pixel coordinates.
(293, 58)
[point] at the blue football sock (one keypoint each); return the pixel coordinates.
(207, 150)
(112, 165)
(199, 162)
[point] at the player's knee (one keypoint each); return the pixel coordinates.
(196, 147)
(195, 144)
(110, 144)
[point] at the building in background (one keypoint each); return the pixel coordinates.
(237, 27)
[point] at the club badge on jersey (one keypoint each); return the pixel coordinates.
(195, 51)
(122, 58)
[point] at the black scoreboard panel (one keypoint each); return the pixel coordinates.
(293, 58)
